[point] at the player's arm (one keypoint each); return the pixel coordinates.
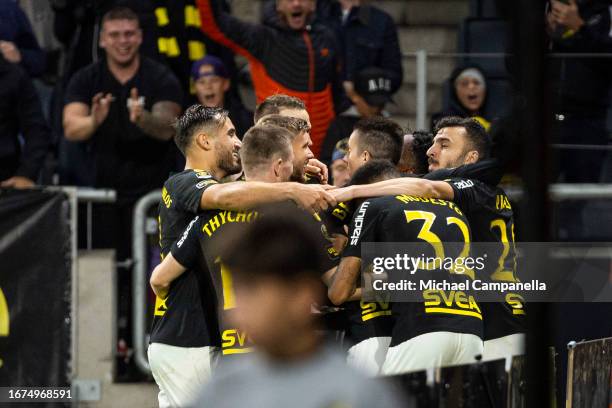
(344, 281)
(163, 275)
(158, 122)
(404, 185)
(249, 194)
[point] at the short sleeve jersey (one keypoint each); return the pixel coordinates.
(406, 218)
(187, 317)
(491, 218)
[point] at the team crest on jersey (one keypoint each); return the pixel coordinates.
(203, 175)
(204, 183)
(464, 184)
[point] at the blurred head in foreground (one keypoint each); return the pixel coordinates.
(276, 265)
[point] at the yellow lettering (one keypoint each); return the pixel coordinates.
(229, 217)
(214, 223)
(241, 216)
(222, 214)
(229, 338)
(4, 316)
(516, 302)
(208, 232)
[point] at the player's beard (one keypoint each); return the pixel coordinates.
(227, 163)
(298, 175)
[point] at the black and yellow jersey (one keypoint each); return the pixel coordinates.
(491, 218)
(197, 250)
(186, 317)
(402, 218)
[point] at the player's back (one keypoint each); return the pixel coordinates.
(439, 230)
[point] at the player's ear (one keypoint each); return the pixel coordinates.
(203, 141)
(366, 156)
(277, 168)
(471, 157)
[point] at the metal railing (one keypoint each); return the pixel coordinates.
(557, 192)
(78, 195)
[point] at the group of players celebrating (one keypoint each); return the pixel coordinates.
(403, 188)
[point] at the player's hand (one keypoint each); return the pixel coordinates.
(10, 52)
(17, 182)
(317, 169)
(566, 15)
(100, 105)
(312, 197)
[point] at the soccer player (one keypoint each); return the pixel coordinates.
(290, 106)
(184, 323)
(374, 138)
(431, 333)
(276, 263)
(460, 142)
(267, 157)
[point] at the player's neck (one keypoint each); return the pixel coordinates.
(201, 163)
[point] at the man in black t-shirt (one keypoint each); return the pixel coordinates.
(431, 333)
(122, 108)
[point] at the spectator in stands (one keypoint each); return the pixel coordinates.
(468, 96)
(372, 91)
(296, 56)
(212, 83)
(339, 167)
(274, 291)
(125, 105)
(583, 89)
(366, 34)
(20, 114)
(18, 44)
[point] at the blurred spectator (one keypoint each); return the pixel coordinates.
(582, 88)
(181, 42)
(77, 27)
(295, 56)
(125, 105)
(366, 35)
(20, 117)
(339, 167)
(274, 293)
(18, 44)
(468, 95)
(212, 83)
(372, 91)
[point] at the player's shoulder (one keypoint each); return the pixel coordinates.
(189, 177)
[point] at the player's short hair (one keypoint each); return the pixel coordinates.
(477, 137)
(263, 143)
(381, 137)
(374, 171)
(197, 118)
(421, 142)
(119, 13)
(272, 105)
(295, 126)
(282, 244)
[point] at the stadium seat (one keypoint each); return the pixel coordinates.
(484, 35)
(483, 9)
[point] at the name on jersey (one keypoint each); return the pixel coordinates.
(166, 198)
(359, 223)
(224, 217)
(341, 211)
(451, 302)
(461, 184)
(435, 201)
(502, 202)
